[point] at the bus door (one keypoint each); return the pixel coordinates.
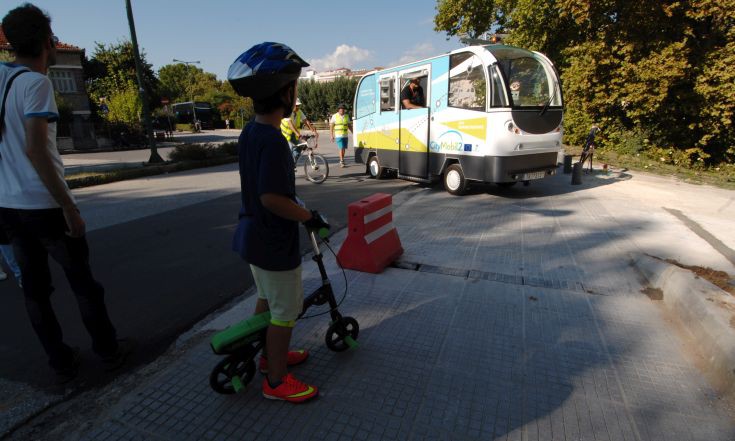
(413, 150)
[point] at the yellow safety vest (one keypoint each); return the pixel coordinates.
(340, 125)
(286, 128)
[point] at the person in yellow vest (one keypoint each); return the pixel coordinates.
(338, 127)
(291, 127)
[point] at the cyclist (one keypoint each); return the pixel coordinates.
(291, 127)
(267, 235)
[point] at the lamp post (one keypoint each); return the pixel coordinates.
(193, 103)
(155, 157)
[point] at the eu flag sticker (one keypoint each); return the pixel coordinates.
(468, 147)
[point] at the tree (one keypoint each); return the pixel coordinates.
(320, 100)
(182, 82)
(175, 81)
(112, 68)
(465, 17)
(656, 75)
(125, 106)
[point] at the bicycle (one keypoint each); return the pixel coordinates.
(589, 148)
(316, 167)
(243, 341)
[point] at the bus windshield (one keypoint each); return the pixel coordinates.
(531, 80)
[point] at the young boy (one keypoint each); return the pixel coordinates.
(267, 236)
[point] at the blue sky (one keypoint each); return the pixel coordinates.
(328, 34)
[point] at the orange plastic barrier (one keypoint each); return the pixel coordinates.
(372, 241)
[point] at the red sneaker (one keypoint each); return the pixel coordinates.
(290, 389)
(292, 359)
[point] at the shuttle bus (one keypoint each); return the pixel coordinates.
(188, 112)
(492, 113)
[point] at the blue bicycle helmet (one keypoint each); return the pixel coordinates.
(264, 69)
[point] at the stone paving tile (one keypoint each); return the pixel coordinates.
(547, 337)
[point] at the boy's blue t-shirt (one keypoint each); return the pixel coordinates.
(262, 238)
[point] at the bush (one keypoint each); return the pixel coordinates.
(202, 152)
(191, 152)
(228, 148)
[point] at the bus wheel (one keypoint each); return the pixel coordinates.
(374, 169)
(454, 180)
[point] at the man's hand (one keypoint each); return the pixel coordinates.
(77, 227)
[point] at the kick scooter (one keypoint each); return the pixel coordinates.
(243, 341)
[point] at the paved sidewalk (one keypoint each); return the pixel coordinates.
(523, 321)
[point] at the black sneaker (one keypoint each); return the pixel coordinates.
(115, 361)
(66, 374)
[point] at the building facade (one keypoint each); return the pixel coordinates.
(67, 77)
(331, 75)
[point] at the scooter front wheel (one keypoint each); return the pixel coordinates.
(342, 334)
(316, 168)
(232, 374)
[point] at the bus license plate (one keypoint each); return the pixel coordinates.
(533, 175)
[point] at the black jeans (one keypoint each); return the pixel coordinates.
(35, 235)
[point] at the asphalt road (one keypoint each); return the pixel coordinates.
(163, 271)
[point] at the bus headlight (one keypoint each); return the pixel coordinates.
(512, 128)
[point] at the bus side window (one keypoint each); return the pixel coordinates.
(387, 94)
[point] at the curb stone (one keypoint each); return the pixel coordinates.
(703, 309)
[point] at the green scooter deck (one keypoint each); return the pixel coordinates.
(240, 334)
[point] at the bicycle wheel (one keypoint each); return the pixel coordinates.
(316, 168)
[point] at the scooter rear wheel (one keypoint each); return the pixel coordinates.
(232, 366)
(341, 330)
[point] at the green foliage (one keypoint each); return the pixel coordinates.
(228, 148)
(465, 17)
(656, 76)
(202, 152)
(66, 114)
(182, 82)
(6, 56)
(125, 106)
(112, 68)
(175, 81)
(320, 100)
(98, 178)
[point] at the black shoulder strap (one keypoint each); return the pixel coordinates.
(5, 98)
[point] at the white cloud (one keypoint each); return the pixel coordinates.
(351, 57)
(418, 52)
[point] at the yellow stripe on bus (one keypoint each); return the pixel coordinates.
(476, 127)
(388, 140)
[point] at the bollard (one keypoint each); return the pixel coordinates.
(567, 164)
(577, 173)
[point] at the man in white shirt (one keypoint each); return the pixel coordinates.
(37, 209)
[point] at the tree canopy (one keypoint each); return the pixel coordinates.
(657, 76)
(470, 18)
(112, 69)
(320, 100)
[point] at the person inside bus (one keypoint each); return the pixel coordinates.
(412, 96)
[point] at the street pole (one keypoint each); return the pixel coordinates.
(155, 157)
(193, 103)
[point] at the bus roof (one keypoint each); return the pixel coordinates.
(485, 47)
